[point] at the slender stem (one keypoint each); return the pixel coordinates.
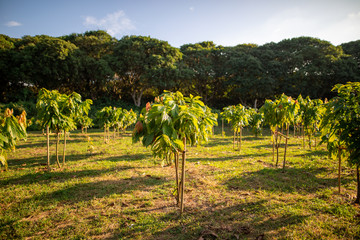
(48, 147)
(294, 129)
(339, 170)
(176, 158)
(273, 143)
(240, 138)
(222, 127)
(183, 177)
(234, 140)
(277, 147)
(104, 133)
(303, 133)
(286, 142)
(64, 150)
(358, 184)
(57, 152)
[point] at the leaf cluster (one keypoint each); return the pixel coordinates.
(172, 117)
(238, 115)
(279, 112)
(116, 117)
(341, 123)
(59, 111)
(12, 129)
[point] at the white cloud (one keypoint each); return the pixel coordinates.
(343, 31)
(291, 23)
(12, 24)
(114, 23)
(296, 22)
(191, 9)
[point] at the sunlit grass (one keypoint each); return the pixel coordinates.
(118, 191)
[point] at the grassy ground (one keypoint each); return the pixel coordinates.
(121, 192)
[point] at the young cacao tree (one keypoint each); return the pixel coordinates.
(57, 112)
(279, 114)
(311, 112)
(238, 116)
(256, 120)
(104, 117)
(12, 129)
(341, 126)
(169, 124)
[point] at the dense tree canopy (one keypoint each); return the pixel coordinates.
(135, 68)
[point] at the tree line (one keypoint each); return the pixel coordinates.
(135, 69)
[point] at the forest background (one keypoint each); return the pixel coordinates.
(133, 70)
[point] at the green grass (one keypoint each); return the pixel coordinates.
(121, 192)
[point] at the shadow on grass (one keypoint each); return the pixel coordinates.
(282, 145)
(238, 156)
(42, 161)
(45, 177)
(247, 220)
(99, 189)
(218, 142)
(314, 153)
(127, 157)
(278, 180)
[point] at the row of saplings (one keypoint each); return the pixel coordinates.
(59, 114)
(173, 121)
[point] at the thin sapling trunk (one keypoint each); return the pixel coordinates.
(358, 184)
(176, 160)
(183, 177)
(234, 140)
(57, 145)
(64, 150)
(277, 147)
(286, 142)
(273, 144)
(240, 138)
(339, 170)
(48, 147)
(222, 127)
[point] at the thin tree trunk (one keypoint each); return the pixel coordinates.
(176, 158)
(294, 129)
(309, 140)
(286, 141)
(222, 127)
(48, 147)
(358, 184)
(237, 139)
(64, 150)
(234, 140)
(303, 133)
(104, 133)
(339, 170)
(114, 133)
(240, 138)
(57, 145)
(277, 147)
(273, 142)
(183, 177)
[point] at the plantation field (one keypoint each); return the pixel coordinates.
(120, 191)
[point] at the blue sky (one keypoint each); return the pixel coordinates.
(225, 22)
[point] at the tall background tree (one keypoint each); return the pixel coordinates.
(108, 70)
(144, 64)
